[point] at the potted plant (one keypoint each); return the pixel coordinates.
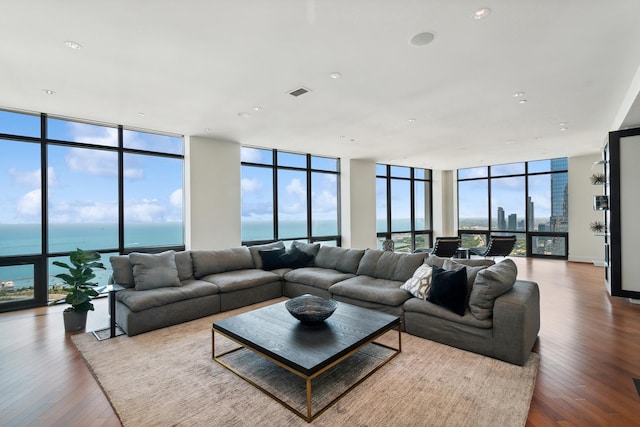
(598, 178)
(597, 227)
(79, 285)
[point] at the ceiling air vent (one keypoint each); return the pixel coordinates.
(299, 91)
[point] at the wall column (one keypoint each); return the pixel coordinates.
(358, 203)
(212, 196)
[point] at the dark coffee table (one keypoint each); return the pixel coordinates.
(306, 350)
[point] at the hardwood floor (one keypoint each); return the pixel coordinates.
(589, 345)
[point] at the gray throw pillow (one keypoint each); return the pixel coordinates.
(490, 283)
(122, 271)
(152, 271)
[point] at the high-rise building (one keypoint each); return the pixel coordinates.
(530, 215)
(502, 224)
(559, 220)
(513, 222)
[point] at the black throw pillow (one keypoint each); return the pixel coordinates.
(449, 289)
(295, 258)
(271, 259)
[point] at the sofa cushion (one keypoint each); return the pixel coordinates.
(418, 285)
(122, 271)
(151, 271)
(139, 301)
(295, 258)
(449, 289)
(218, 261)
(308, 248)
(321, 278)
(255, 251)
(271, 259)
(368, 263)
(185, 265)
(406, 265)
(365, 288)
(490, 283)
(236, 280)
(341, 259)
(416, 305)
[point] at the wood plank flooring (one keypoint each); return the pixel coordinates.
(589, 345)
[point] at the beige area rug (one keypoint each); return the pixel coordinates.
(167, 377)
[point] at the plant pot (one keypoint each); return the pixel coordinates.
(74, 321)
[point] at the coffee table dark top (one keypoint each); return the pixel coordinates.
(306, 348)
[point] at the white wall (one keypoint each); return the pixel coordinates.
(358, 203)
(212, 196)
(583, 245)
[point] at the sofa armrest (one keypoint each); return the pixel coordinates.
(516, 322)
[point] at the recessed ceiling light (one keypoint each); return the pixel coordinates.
(563, 128)
(481, 13)
(562, 124)
(49, 91)
(72, 45)
(207, 129)
(141, 114)
(522, 101)
(257, 109)
(335, 75)
(422, 39)
(538, 138)
(244, 115)
(518, 94)
(411, 120)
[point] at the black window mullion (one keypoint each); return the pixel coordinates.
(274, 173)
(309, 216)
(121, 236)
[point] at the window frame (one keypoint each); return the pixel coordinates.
(40, 261)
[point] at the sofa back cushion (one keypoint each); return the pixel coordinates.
(432, 260)
(255, 251)
(219, 261)
(341, 259)
(389, 265)
(152, 271)
(185, 265)
(490, 283)
(122, 271)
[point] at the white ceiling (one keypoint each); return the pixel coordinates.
(191, 66)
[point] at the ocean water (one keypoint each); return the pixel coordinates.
(25, 239)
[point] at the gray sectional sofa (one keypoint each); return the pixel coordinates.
(500, 321)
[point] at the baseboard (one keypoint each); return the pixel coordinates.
(634, 301)
(590, 260)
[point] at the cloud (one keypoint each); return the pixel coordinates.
(98, 162)
(296, 188)
(32, 178)
(250, 185)
(144, 211)
(175, 199)
(92, 134)
(63, 212)
(30, 204)
(250, 155)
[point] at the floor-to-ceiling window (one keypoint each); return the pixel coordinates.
(527, 199)
(289, 196)
(70, 184)
(403, 207)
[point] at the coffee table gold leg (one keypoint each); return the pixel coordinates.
(309, 418)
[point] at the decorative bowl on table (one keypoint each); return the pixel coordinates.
(310, 308)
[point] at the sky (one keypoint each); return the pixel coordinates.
(83, 183)
(257, 188)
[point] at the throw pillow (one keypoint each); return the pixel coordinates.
(490, 283)
(449, 289)
(472, 272)
(271, 259)
(419, 284)
(295, 258)
(152, 271)
(308, 248)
